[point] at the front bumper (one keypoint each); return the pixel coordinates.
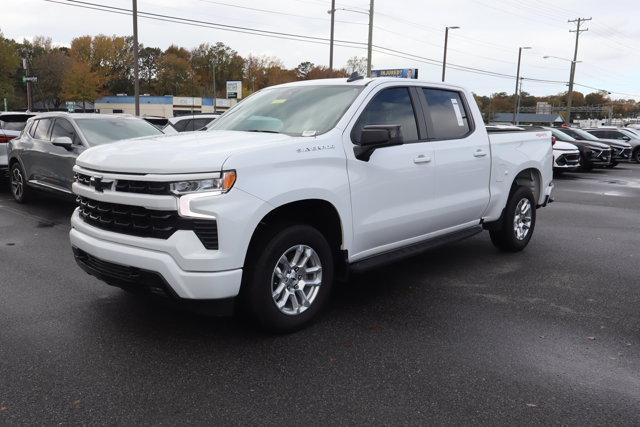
(129, 266)
(567, 161)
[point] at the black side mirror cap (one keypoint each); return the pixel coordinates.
(373, 137)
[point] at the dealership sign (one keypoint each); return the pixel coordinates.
(404, 73)
(234, 89)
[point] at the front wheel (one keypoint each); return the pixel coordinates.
(636, 155)
(290, 280)
(518, 222)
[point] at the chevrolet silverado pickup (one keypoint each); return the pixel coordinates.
(300, 184)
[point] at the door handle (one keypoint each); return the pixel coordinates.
(422, 159)
(479, 153)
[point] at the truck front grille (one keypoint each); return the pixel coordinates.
(142, 187)
(142, 222)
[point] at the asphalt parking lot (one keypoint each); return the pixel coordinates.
(462, 334)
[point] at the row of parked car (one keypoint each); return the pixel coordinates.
(584, 149)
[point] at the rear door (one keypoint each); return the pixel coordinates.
(462, 159)
(61, 160)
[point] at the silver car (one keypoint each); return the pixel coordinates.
(45, 153)
(11, 125)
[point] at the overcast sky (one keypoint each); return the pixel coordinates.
(488, 39)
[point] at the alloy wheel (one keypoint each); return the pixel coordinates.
(522, 219)
(296, 280)
(17, 183)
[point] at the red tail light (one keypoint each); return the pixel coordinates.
(5, 139)
(553, 140)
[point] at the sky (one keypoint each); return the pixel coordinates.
(488, 38)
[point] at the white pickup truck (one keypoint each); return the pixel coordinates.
(300, 184)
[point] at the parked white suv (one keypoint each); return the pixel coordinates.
(301, 183)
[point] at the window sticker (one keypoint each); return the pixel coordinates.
(456, 109)
(278, 101)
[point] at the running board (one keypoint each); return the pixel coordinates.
(46, 186)
(411, 250)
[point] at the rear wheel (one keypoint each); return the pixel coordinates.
(290, 279)
(518, 222)
(19, 188)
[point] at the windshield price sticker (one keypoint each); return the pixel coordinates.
(278, 101)
(456, 109)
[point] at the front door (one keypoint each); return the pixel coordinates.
(391, 192)
(61, 160)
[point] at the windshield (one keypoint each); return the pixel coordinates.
(102, 131)
(582, 134)
(561, 135)
(295, 111)
(630, 133)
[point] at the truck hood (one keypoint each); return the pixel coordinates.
(191, 152)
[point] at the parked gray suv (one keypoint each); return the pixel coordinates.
(45, 153)
(620, 135)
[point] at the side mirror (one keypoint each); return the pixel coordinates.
(63, 141)
(626, 138)
(373, 137)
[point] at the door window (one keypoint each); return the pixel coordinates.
(61, 128)
(447, 113)
(391, 106)
(182, 125)
(42, 131)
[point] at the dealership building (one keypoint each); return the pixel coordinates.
(161, 106)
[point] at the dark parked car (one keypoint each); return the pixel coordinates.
(620, 150)
(592, 153)
(44, 155)
(620, 135)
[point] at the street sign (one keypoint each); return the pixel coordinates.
(234, 89)
(29, 79)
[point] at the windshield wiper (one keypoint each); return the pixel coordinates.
(261, 130)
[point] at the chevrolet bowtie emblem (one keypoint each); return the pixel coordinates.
(97, 184)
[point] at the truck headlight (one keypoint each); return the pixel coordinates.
(220, 184)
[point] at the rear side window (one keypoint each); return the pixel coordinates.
(199, 123)
(390, 107)
(42, 131)
(183, 125)
(32, 129)
(62, 127)
(447, 114)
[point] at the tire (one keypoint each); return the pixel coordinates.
(273, 291)
(18, 183)
(636, 155)
(508, 236)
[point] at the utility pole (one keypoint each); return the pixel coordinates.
(25, 65)
(517, 122)
(333, 16)
(517, 92)
(578, 30)
(446, 42)
(136, 68)
(370, 44)
(213, 63)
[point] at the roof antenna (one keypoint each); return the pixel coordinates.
(354, 76)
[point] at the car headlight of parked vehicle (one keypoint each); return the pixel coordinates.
(219, 184)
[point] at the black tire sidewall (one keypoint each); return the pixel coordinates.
(636, 155)
(258, 299)
(509, 235)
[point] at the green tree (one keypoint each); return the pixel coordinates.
(175, 75)
(51, 69)
(81, 84)
(9, 65)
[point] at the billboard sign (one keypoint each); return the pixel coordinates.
(403, 73)
(234, 89)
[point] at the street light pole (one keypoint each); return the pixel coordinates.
(136, 68)
(333, 17)
(446, 42)
(370, 43)
(517, 93)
